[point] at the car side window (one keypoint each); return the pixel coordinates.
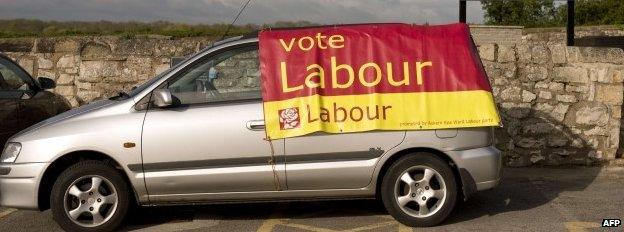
(228, 76)
(11, 77)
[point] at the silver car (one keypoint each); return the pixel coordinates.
(195, 134)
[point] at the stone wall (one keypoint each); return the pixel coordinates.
(559, 105)
(89, 68)
(502, 35)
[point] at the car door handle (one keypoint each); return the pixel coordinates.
(255, 125)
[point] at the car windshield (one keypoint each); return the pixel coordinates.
(138, 89)
(146, 84)
(150, 82)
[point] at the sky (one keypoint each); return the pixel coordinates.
(259, 11)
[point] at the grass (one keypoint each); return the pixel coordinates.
(38, 28)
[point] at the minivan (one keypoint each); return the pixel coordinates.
(195, 135)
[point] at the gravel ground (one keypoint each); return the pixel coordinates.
(528, 199)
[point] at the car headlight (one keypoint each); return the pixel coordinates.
(10, 152)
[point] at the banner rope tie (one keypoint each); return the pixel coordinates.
(271, 161)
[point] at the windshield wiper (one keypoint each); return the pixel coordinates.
(121, 95)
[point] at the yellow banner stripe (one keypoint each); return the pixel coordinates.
(384, 111)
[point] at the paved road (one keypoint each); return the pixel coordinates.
(534, 199)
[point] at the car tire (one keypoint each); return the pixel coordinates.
(76, 204)
(414, 200)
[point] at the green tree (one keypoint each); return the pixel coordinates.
(528, 13)
(544, 13)
(598, 12)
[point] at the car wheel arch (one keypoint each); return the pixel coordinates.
(62, 162)
(411, 151)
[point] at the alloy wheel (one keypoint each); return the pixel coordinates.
(420, 191)
(90, 201)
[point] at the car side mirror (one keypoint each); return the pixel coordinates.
(162, 98)
(46, 83)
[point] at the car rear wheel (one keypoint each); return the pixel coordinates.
(419, 190)
(90, 196)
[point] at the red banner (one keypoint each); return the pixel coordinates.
(308, 69)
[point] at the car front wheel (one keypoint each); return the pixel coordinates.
(419, 190)
(90, 196)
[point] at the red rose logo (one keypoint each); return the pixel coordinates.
(289, 118)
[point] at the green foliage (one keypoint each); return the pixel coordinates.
(279, 24)
(528, 13)
(127, 30)
(544, 13)
(599, 12)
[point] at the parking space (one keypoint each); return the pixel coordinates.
(533, 199)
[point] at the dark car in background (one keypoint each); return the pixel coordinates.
(24, 101)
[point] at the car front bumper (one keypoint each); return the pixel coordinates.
(19, 184)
